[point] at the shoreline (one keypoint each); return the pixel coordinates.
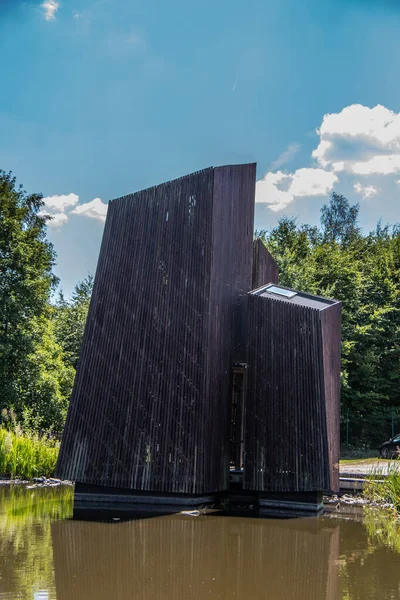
(334, 501)
(36, 482)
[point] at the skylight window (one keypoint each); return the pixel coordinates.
(276, 289)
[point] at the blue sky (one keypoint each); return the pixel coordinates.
(100, 99)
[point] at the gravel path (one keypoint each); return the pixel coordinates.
(369, 467)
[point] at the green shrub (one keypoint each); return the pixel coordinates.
(26, 456)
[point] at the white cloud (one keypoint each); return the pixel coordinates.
(365, 190)
(268, 192)
(303, 182)
(59, 208)
(338, 166)
(312, 182)
(95, 209)
(60, 203)
(319, 153)
(381, 165)
(358, 145)
(286, 155)
(379, 124)
(58, 219)
(360, 140)
(50, 8)
(56, 207)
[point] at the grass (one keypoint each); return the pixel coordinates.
(382, 521)
(347, 454)
(26, 456)
(384, 490)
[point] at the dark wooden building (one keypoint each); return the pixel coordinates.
(292, 408)
(167, 320)
(265, 268)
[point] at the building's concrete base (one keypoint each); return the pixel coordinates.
(94, 502)
(273, 504)
(98, 501)
(285, 504)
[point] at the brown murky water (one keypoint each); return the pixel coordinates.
(45, 555)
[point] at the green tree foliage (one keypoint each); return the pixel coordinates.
(46, 380)
(34, 381)
(339, 220)
(363, 271)
(71, 319)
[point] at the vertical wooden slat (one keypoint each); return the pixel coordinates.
(149, 409)
(331, 342)
(293, 395)
(265, 268)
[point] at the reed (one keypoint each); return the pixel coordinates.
(384, 488)
(26, 456)
(382, 517)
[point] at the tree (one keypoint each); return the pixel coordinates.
(71, 319)
(35, 378)
(26, 281)
(339, 220)
(291, 246)
(45, 381)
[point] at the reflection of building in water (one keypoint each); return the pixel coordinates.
(206, 557)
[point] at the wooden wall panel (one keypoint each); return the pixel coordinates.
(288, 427)
(331, 344)
(147, 407)
(265, 268)
(231, 268)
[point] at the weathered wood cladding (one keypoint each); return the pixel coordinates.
(293, 371)
(265, 268)
(151, 396)
(331, 347)
(233, 224)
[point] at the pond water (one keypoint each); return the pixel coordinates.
(44, 554)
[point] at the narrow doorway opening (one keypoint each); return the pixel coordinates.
(237, 415)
